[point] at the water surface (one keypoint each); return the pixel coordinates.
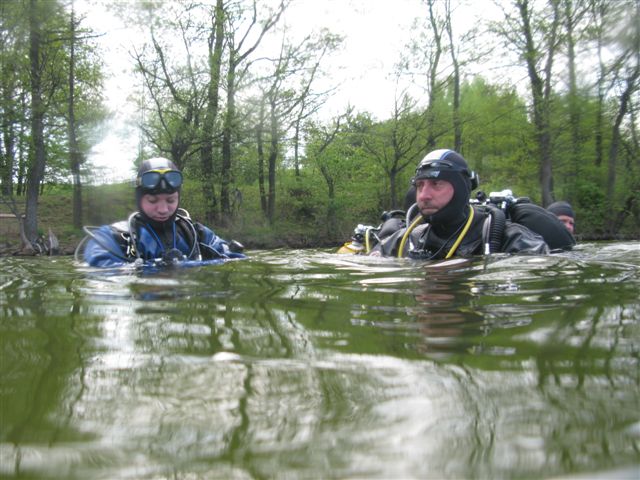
(307, 364)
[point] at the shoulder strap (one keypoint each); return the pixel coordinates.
(189, 230)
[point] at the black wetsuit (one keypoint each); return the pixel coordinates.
(434, 241)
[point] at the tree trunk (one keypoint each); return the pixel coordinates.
(597, 14)
(433, 77)
(574, 104)
(22, 148)
(296, 147)
(540, 93)
(227, 134)
(616, 139)
(74, 154)
(273, 157)
(8, 155)
(37, 151)
(260, 147)
(393, 187)
(208, 130)
(457, 123)
(238, 55)
(332, 227)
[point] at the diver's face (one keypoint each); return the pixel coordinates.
(432, 195)
(160, 207)
(568, 222)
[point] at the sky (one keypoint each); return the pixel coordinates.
(375, 32)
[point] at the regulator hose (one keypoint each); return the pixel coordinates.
(496, 232)
(462, 234)
(456, 243)
(367, 243)
(413, 225)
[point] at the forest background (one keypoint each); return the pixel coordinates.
(227, 91)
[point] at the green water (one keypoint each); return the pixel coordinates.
(306, 364)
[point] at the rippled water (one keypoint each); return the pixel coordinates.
(307, 364)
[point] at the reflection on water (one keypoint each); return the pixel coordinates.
(307, 364)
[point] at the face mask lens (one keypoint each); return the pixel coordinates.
(436, 164)
(173, 178)
(150, 180)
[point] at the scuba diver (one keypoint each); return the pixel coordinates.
(159, 233)
(565, 214)
(442, 222)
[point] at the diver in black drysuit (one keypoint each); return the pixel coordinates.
(458, 228)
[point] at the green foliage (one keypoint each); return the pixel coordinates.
(396, 145)
(347, 175)
(497, 137)
(348, 165)
(54, 59)
(590, 207)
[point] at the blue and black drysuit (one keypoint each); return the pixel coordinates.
(126, 242)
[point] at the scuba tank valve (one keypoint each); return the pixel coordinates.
(358, 240)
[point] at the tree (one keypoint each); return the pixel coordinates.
(10, 90)
(535, 37)
(214, 61)
(50, 101)
(37, 159)
(599, 10)
(241, 45)
(177, 99)
(335, 151)
(423, 63)
(628, 83)
(324, 138)
(573, 15)
(498, 138)
(455, 62)
(287, 92)
(84, 81)
(74, 153)
(464, 50)
(398, 142)
(183, 85)
(427, 66)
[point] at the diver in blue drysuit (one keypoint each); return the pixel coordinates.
(159, 233)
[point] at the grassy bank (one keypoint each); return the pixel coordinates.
(303, 221)
(55, 214)
(106, 204)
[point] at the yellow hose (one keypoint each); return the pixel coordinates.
(413, 225)
(462, 234)
(455, 245)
